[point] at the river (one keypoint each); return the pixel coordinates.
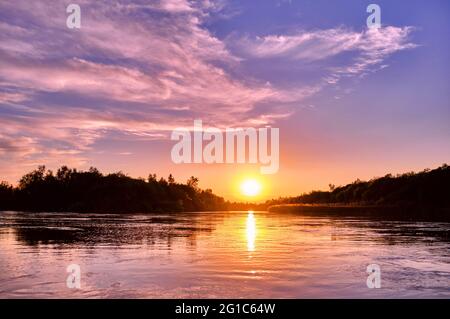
(241, 254)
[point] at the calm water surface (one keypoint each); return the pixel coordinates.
(220, 254)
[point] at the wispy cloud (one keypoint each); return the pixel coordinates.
(170, 62)
(321, 44)
(369, 47)
(145, 68)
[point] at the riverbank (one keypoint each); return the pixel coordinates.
(406, 212)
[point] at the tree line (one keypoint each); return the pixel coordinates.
(91, 191)
(428, 188)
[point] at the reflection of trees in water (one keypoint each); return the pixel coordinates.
(385, 229)
(62, 230)
(36, 235)
(390, 232)
(406, 233)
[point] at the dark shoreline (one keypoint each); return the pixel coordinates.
(404, 213)
(400, 213)
(411, 196)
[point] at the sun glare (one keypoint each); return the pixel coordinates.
(251, 187)
(251, 231)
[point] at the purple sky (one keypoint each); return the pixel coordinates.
(350, 102)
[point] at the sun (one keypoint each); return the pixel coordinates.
(251, 187)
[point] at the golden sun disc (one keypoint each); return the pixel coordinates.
(251, 188)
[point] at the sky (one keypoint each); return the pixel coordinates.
(350, 102)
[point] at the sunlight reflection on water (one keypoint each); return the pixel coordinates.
(251, 231)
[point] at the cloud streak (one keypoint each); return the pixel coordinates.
(322, 44)
(370, 47)
(144, 69)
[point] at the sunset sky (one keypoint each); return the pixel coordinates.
(349, 102)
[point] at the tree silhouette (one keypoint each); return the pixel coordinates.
(91, 191)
